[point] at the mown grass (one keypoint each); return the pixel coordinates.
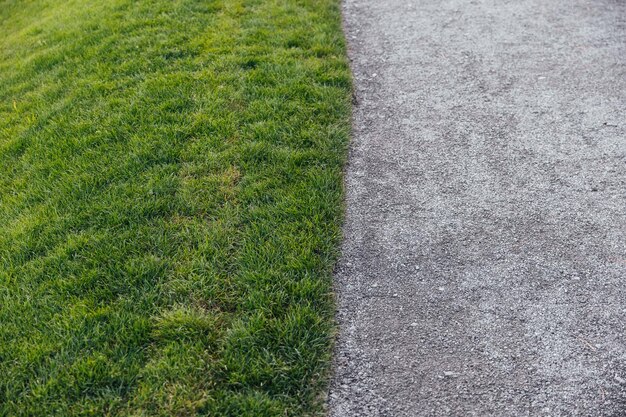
(170, 205)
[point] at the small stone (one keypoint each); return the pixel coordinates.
(620, 380)
(413, 324)
(441, 288)
(450, 374)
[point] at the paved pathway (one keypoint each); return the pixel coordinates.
(484, 267)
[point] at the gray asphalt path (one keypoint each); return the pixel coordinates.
(484, 263)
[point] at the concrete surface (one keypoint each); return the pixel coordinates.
(484, 263)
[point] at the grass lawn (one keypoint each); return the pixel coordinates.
(170, 205)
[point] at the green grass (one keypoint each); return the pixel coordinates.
(170, 205)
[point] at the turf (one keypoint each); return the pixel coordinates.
(170, 205)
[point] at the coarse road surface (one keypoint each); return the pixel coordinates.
(484, 261)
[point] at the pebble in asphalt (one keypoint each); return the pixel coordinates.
(484, 261)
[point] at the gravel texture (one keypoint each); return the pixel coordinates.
(484, 262)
